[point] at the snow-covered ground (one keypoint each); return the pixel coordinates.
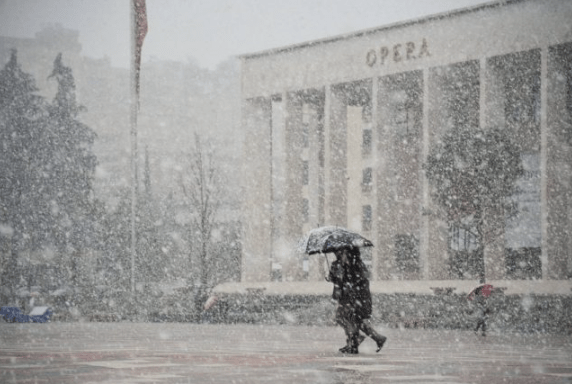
(192, 353)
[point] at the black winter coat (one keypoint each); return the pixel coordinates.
(351, 287)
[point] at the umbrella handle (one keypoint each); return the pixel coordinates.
(328, 264)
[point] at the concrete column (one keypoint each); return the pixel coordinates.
(337, 188)
(544, 208)
(494, 252)
(377, 162)
(426, 198)
(314, 191)
(437, 249)
(384, 185)
(558, 244)
(278, 182)
(327, 154)
(483, 79)
(256, 122)
(354, 124)
(292, 268)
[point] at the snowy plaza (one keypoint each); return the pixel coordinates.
(203, 353)
(407, 176)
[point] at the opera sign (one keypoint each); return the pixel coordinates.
(399, 52)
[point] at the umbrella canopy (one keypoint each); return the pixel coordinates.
(330, 239)
(484, 289)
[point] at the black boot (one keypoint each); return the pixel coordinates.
(367, 328)
(354, 343)
(350, 350)
(380, 341)
(348, 347)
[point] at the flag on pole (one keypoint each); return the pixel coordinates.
(140, 15)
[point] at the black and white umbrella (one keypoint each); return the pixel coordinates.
(330, 238)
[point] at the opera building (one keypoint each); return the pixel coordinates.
(338, 132)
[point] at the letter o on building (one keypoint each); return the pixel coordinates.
(371, 58)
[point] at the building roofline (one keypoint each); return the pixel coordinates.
(370, 31)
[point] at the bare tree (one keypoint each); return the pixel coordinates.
(202, 188)
(473, 173)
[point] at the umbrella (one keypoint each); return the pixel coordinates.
(483, 289)
(330, 239)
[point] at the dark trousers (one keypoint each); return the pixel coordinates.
(351, 325)
(482, 319)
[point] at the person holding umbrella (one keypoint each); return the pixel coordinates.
(336, 277)
(480, 294)
(351, 281)
(354, 302)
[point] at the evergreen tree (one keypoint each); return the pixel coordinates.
(115, 234)
(21, 112)
(69, 166)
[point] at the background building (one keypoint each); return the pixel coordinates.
(337, 132)
(176, 100)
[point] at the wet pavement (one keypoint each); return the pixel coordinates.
(203, 353)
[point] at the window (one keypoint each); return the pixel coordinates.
(367, 258)
(305, 172)
(366, 218)
(367, 141)
(367, 179)
(523, 263)
(305, 267)
(523, 101)
(305, 134)
(276, 272)
(402, 119)
(305, 210)
(463, 238)
(404, 110)
(407, 255)
(466, 258)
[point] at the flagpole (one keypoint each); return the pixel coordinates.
(133, 136)
(138, 33)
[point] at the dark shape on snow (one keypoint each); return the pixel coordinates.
(37, 315)
(330, 238)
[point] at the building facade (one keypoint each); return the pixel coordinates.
(337, 132)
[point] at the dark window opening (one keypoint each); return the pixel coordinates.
(407, 255)
(305, 210)
(523, 263)
(403, 118)
(467, 264)
(465, 256)
(367, 179)
(367, 141)
(305, 135)
(305, 173)
(366, 218)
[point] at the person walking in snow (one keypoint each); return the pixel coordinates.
(336, 277)
(351, 289)
(479, 295)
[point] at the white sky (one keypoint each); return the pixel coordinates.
(209, 31)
